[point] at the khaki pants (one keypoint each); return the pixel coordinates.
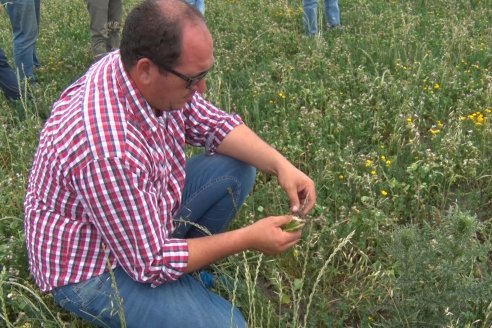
(105, 25)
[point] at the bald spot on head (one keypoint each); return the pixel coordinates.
(154, 29)
(186, 16)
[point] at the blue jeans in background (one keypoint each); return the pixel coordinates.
(215, 188)
(332, 15)
(199, 4)
(8, 79)
(24, 17)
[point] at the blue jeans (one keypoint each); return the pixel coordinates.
(24, 17)
(332, 15)
(199, 4)
(8, 79)
(181, 303)
(216, 186)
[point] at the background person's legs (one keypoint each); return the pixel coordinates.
(199, 4)
(115, 12)
(310, 18)
(98, 13)
(37, 8)
(8, 79)
(332, 13)
(24, 20)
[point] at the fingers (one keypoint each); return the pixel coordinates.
(295, 204)
(293, 192)
(269, 236)
(302, 201)
(289, 238)
(283, 219)
(309, 201)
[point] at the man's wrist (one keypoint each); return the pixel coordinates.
(246, 237)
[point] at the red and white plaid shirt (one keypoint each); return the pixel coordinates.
(107, 179)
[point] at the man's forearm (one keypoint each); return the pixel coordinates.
(243, 144)
(204, 251)
(265, 235)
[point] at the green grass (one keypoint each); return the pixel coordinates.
(390, 116)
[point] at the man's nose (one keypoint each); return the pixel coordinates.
(201, 86)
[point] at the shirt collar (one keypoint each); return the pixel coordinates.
(136, 105)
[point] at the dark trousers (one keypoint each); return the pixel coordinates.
(8, 79)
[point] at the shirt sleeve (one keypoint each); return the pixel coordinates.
(124, 205)
(208, 125)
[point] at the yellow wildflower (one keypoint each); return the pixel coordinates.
(384, 193)
(480, 119)
(368, 163)
(410, 121)
(477, 118)
(434, 131)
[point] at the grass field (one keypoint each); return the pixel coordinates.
(391, 116)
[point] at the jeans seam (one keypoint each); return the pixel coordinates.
(234, 195)
(83, 302)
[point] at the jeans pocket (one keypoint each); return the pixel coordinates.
(94, 288)
(82, 294)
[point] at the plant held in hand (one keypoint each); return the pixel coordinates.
(295, 224)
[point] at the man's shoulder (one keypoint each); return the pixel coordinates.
(83, 122)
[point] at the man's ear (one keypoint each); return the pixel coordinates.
(144, 71)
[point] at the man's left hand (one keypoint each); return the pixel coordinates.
(299, 188)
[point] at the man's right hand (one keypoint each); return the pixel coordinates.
(268, 237)
(265, 235)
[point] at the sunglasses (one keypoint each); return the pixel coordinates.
(191, 81)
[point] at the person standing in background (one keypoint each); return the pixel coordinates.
(105, 26)
(24, 17)
(199, 4)
(332, 15)
(8, 78)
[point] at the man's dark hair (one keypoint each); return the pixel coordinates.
(154, 30)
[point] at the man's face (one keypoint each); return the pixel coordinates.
(172, 89)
